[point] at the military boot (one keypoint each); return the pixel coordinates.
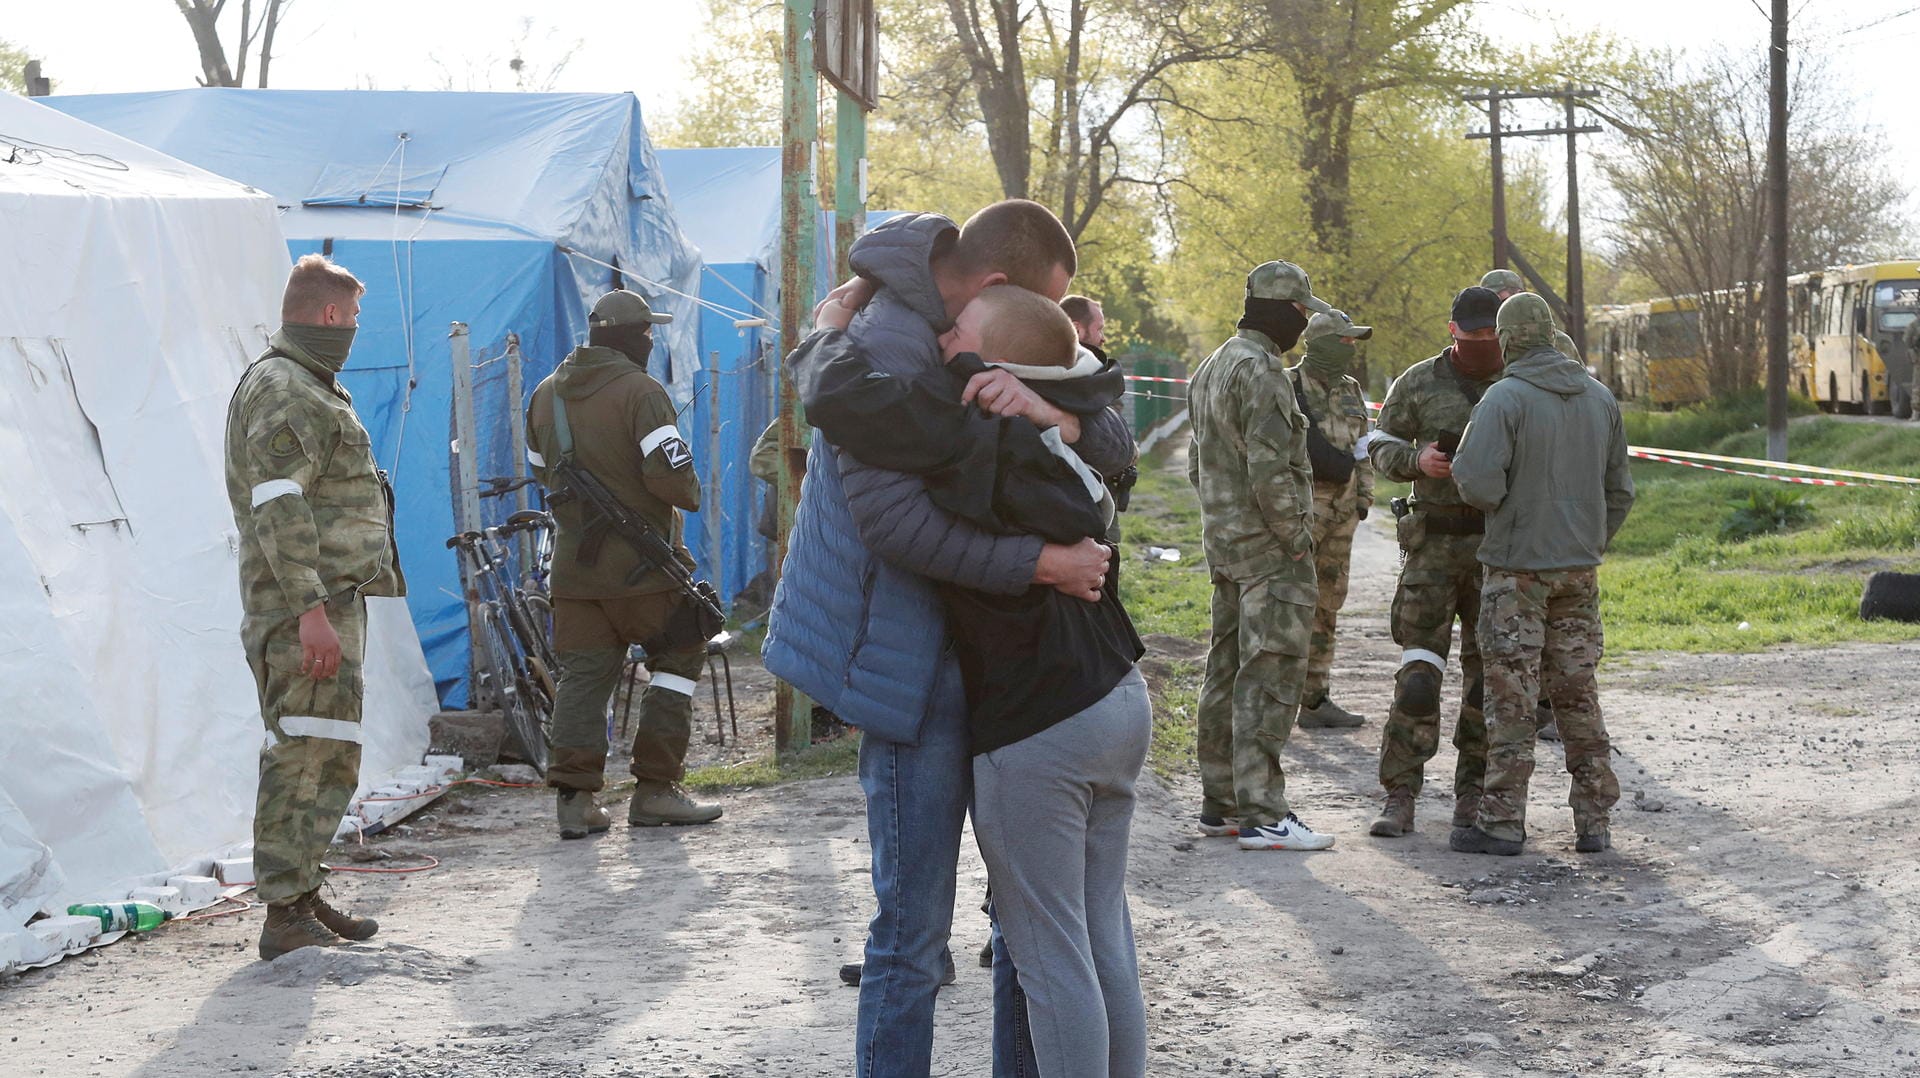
(1543, 722)
(579, 816)
(1324, 714)
(1397, 818)
(657, 804)
(1466, 809)
(291, 926)
(342, 924)
(1593, 841)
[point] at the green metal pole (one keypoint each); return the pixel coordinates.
(799, 236)
(849, 180)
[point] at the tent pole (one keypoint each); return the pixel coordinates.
(467, 503)
(800, 224)
(517, 425)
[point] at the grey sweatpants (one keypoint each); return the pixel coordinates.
(1052, 815)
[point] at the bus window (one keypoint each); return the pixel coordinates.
(1896, 304)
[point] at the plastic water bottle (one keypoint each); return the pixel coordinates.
(123, 916)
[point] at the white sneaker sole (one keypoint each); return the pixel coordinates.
(1289, 845)
(1231, 830)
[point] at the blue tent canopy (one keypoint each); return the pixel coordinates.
(505, 212)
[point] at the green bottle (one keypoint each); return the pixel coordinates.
(123, 916)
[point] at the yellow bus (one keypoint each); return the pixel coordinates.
(1854, 323)
(1650, 351)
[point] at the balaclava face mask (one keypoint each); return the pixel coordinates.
(1279, 319)
(1477, 360)
(635, 342)
(328, 345)
(1329, 358)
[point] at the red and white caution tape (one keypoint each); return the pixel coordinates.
(1647, 454)
(1151, 378)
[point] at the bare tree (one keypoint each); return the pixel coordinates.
(255, 38)
(1094, 75)
(1691, 185)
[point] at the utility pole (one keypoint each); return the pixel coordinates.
(800, 223)
(1776, 283)
(1570, 98)
(849, 179)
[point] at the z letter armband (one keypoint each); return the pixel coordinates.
(667, 440)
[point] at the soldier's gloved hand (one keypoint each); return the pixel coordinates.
(319, 645)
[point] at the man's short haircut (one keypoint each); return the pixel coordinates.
(1019, 238)
(1026, 328)
(315, 282)
(1080, 308)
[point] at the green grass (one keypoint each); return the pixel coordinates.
(1174, 598)
(840, 756)
(1672, 583)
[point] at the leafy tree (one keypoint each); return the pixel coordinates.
(736, 79)
(13, 67)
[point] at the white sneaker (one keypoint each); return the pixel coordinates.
(1288, 834)
(1219, 826)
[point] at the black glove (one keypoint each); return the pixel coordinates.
(1364, 510)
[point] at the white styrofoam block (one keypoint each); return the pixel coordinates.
(167, 898)
(234, 870)
(66, 933)
(196, 892)
(444, 766)
(26, 949)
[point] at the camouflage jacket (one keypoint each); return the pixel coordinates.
(624, 432)
(315, 514)
(1425, 402)
(1248, 460)
(1341, 412)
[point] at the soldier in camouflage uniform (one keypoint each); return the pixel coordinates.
(1546, 459)
(1248, 460)
(316, 536)
(1336, 411)
(621, 426)
(1426, 410)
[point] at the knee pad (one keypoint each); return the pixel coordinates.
(1477, 695)
(1419, 691)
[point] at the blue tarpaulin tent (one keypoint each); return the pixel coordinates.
(451, 207)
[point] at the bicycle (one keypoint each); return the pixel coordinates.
(517, 671)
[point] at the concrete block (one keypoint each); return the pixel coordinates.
(234, 870)
(65, 935)
(474, 736)
(167, 898)
(21, 948)
(196, 892)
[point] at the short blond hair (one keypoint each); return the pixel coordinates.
(1026, 328)
(315, 282)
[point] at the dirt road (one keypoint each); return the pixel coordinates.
(1758, 917)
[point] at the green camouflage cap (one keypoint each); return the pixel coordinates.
(1503, 280)
(623, 308)
(1334, 324)
(1525, 322)
(1284, 280)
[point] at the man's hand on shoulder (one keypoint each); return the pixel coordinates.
(838, 309)
(1079, 570)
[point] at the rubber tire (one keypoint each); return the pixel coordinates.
(1892, 596)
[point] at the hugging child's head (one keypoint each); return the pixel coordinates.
(1008, 324)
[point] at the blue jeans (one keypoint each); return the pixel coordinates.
(1012, 1037)
(917, 799)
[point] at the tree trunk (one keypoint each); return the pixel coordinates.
(1326, 156)
(1001, 87)
(200, 18)
(269, 23)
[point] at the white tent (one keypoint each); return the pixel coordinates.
(134, 289)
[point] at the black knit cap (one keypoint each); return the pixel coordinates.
(1475, 308)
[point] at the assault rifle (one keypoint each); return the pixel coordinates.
(607, 515)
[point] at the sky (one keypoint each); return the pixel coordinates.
(644, 45)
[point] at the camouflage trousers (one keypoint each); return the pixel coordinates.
(591, 638)
(1336, 514)
(1543, 630)
(1439, 583)
(310, 765)
(1256, 667)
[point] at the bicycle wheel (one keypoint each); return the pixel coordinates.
(517, 700)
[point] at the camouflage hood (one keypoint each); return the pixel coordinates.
(1524, 323)
(589, 369)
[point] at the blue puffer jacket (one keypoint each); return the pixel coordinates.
(856, 624)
